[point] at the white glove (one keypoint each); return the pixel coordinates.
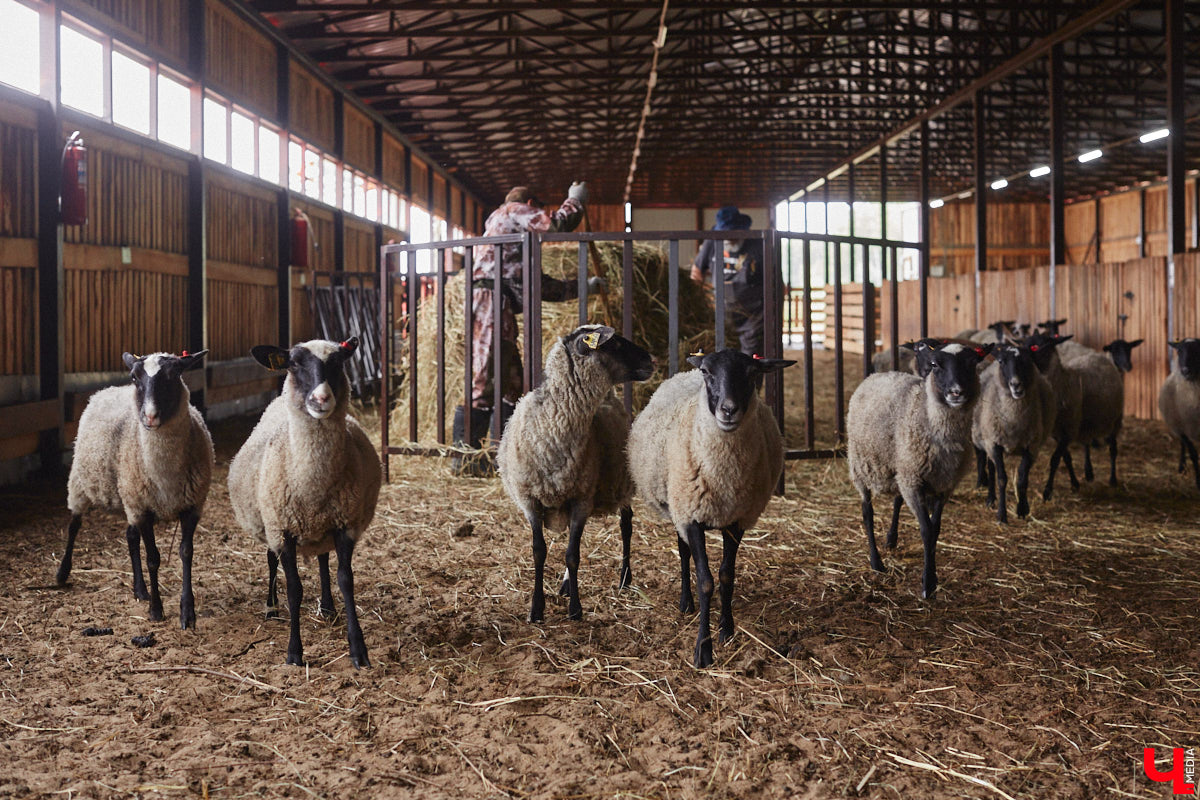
(597, 284)
(579, 191)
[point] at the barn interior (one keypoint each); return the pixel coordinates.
(185, 175)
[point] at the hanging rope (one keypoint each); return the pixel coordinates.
(659, 41)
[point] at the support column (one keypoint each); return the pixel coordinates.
(197, 278)
(50, 284)
(1058, 237)
(923, 232)
(980, 199)
(283, 215)
(1176, 221)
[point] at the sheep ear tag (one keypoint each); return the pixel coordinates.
(277, 360)
(592, 340)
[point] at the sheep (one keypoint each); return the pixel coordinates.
(706, 453)
(1068, 391)
(911, 437)
(144, 449)
(1102, 395)
(307, 480)
(1015, 414)
(1051, 326)
(562, 455)
(909, 355)
(994, 333)
(1179, 401)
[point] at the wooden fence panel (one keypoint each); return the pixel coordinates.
(242, 226)
(361, 252)
(157, 25)
(241, 315)
(394, 162)
(311, 107)
(239, 61)
(18, 154)
(359, 140)
(420, 183)
(18, 320)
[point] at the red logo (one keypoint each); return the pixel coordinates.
(1183, 769)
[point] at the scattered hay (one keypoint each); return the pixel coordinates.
(559, 260)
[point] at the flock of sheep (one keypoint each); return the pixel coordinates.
(705, 453)
(911, 433)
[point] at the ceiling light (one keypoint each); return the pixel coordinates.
(1090, 155)
(938, 203)
(1038, 172)
(999, 184)
(1152, 136)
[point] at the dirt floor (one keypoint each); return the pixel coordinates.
(1057, 648)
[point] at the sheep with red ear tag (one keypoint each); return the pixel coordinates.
(307, 480)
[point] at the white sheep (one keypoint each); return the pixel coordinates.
(145, 450)
(1015, 414)
(562, 455)
(707, 454)
(911, 436)
(1179, 401)
(307, 480)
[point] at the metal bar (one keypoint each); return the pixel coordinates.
(838, 353)
(1058, 235)
(1173, 23)
(529, 328)
(497, 339)
(718, 279)
(892, 266)
(868, 301)
(641, 236)
(1141, 225)
(809, 421)
(772, 331)
(283, 270)
(385, 355)
(1196, 213)
(627, 311)
(468, 335)
(413, 282)
(851, 185)
(441, 351)
(672, 307)
(980, 199)
(583, 288)
(50, 322)
(535, 307)
(923, 220)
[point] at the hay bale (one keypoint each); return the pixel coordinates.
(559, 260)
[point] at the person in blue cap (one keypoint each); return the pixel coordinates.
(742, 262)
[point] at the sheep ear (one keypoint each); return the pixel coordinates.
(696, 359)
(984, 350)
(1062, 321)
(909, 346)
(271, 357)
(1060, 339)
(191, 360)
(130, 359)
(1175, 344)
(1135, 343)
(766, 365)
(347, 348)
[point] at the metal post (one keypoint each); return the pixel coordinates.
(1173, 22)
(627, 310)
(924, 234)
(809, 430)
(1058, 235)
(583, 280)
(718, 279)
(441, 346)
(412, 283)
(497, 338)
(385, 358)
(533, 314)
(51, 333)
(868, 311)
(980, 199)
(672, 307)
(468, 336)
(838, 354)
(1141, 225)
(850, 182)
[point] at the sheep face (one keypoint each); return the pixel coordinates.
(1050, 327)
(1016, 369)
(158, 390)
(1121, 352)
(952, 370)
(1002, 328)
(317, 373)
(1187, 357)
(621, 358)
(922, 348)
(1042, 346)
(730, 380)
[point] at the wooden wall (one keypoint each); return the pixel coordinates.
(239, 61)
(243, 301)
(420, 183)
(1018, 236)
(157, 26)
(18, 249)
(1119, 218)
(312, 112)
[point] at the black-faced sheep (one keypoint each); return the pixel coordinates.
(307, 480)
(1069, 394)
(145, 450)
(707, 454)
(562, 454)
(911, 437)
(1179, 401)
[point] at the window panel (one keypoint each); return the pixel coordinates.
(312, 173)
(130, 93)
(360, 196)
(295, 166)
(268, 154)
(82, 72)
(20, 53)
(372, 202)
(216, 131)
(420, 235)
(241, 140)
(329, 182)
(174, 113)
(347, 190)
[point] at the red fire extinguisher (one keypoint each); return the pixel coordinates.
(300, 239)
(73, 200)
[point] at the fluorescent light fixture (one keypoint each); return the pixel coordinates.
(938, 203)
(1090, 155)
(999, 184)
(1038, 172)
(1153, 136)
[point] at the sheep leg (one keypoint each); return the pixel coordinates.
(626, 578)
(935, 515)
(894, 530)
(1182, 456)
(1112, 460)
(1023, 483)
(345, 577)
(295, 596)
(1055, 457)
(64, 569)
(1088, 475)
(578, 517)
(981, 468)
(325, 605)
(564, 589)
(272, 584)
(687, 603)
(1191, 448)
(868, 515)
(133, 538)
(732, 538)
(188, 521)
(702, 656)
(152, 562)
(537, 608)
(1001, 483)
(917, 505)
(991, 484)
(1070, 467)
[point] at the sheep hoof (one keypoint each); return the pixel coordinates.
(703, 655)
(877, 564)
(575, 610)
(156, 614)
(1023, 510)
(326, 612)
(565, 589)
(1046, 495)
(187, 619)
(626, 579)
(725, 635)
(272, 613)
(537, 611)
(1003, 518)
(140, 593)
(687, 605)
(1112, 481)
(64, 572)
(295, 659)
(360, 659)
